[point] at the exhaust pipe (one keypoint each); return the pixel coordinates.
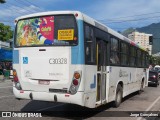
(55, 98)
(31, 96)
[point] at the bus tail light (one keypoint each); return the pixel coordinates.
(75, 82)
(76, 75)
(16, 80)
(76, 14)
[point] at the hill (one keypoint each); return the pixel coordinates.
(153, 29)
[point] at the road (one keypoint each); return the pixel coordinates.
(149, 100)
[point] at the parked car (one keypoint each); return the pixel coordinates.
(157, 69)
(153, 78)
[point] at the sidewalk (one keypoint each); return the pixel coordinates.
(6, 79)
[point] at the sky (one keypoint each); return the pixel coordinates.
(116, 14)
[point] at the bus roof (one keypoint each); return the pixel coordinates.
(87, 19)
(110, 31)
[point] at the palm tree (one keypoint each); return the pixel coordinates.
(2, 1)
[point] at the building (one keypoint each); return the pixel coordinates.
(6, 51)
(141, 39)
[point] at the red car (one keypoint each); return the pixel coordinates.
(153, 78)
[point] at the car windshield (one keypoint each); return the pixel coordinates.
(151, 73)
(57, 30)
(157, 69)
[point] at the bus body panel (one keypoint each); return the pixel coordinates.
(46, 96)
(38, 65)
(130, 77)
(34, 64)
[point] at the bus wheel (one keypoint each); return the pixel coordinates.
(118, 98)
(141, 88)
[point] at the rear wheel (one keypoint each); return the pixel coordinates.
(141, 88)
(156, 84)
(118, 98)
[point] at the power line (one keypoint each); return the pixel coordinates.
(9, 10)
(22, 3)
(114, 19)
(15, 9)
(38, 8)
(153, 17)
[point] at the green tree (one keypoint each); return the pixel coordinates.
(128, 31)
(154, 60)
(2, 1)
(5, 32)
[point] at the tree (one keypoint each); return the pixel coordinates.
(5, 32)
(128, 31)
(2, 1)
(154, 60)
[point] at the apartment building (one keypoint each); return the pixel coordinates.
(141, 39)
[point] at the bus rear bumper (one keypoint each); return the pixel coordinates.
(49, 96)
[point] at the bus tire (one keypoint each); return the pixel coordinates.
(118, 98)
(141, 88)
(156, 85)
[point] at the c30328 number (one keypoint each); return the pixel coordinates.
(58, 61)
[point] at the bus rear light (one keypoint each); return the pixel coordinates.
(76, 14)
(75, 82)
(18, 86)
(76, 75)
(14, 73)
(15, 79)
(73, 89)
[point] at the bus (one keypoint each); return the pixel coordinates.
(68, 57)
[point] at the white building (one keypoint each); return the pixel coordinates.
(142, 39)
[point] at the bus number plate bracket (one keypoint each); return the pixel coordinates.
(44, 82)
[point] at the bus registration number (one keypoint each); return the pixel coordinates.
(58, 61)
(44, 82)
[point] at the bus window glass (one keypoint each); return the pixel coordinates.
(124, 54)
(47, 30)
(114, 57)
(132, 56)
(114, 44)
(143, 59)
(89, 45)
(139, 58)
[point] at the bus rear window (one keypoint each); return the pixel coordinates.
(47, 30)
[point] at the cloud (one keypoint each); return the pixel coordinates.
(14, 11)
(8, 15)
(115, 9)
(102, 10)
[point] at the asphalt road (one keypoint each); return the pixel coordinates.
(149, 100)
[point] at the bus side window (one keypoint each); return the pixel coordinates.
(89, 45)
(114, 56)
(114, 59)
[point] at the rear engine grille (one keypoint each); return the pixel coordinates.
(57, 90)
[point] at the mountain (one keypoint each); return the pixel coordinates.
(153, 29)
(128, 31)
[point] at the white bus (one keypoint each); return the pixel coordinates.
(66, 56)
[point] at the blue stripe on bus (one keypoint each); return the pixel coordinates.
(15, 56)
(77, 52)
(93, 85)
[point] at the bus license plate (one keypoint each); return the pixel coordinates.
(44, 82)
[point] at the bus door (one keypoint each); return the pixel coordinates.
(101, 51)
